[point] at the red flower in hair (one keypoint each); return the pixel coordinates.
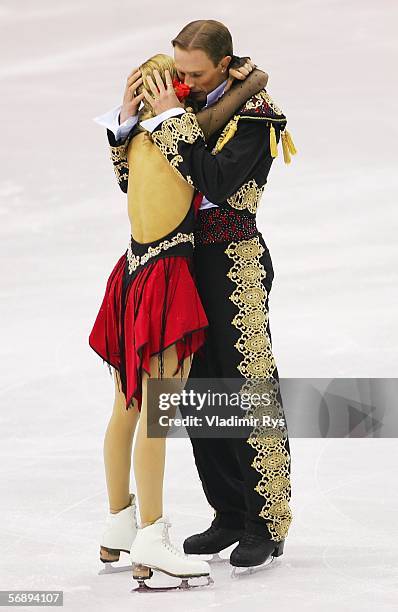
(182, 90)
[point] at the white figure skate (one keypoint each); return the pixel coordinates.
(118, 536)
(152, 550)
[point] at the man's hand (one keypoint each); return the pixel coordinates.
(131, 102)
(239, 73)
(163, 98)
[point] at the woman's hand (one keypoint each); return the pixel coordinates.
(240, 73)
(163, 98)
(131, 102)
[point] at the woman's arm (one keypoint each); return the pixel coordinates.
(216, 116)
(118, 155)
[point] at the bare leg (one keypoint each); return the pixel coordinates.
(117, 449)
(149, 453)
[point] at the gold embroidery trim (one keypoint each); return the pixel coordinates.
(121, 175)
(247, 197)
(184, 128)
(120, 162)
(257, 367)
(257, 100)
(269, 119)
(134, 261)
(119, 153)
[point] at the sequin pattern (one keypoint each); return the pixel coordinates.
(216, 225)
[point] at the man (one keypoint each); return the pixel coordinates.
(246, 481)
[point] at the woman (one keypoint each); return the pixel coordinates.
(150, 324)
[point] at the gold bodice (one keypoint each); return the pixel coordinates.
(158, 198)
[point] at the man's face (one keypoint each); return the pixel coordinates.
(197, 70)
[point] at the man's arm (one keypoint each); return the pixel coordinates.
(181, 141)
(214, 117)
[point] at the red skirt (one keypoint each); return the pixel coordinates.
(140, 318)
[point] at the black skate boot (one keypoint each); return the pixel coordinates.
(254, 549)
(211, 541)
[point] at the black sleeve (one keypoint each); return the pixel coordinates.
(118, 155)
(181, 141)
(212, 118)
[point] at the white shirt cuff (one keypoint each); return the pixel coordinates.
(110, 120)
(153, 122)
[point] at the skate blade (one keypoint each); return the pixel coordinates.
(111, 568)
(237, 572)
(184, 585)
(216, 558)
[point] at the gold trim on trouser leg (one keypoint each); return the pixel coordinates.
(257, 367)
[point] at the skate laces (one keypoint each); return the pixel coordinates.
(167, 542)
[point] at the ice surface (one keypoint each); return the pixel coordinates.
(330, 221)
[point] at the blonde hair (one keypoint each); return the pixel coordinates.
(158, 62)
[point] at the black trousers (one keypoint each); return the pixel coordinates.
(246, 483)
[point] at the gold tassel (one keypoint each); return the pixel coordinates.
(230, 134)
(290, 143)
(285, 147)
(272, 142)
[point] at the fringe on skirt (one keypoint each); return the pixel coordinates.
(143, 314)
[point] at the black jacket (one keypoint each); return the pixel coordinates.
(231, 169)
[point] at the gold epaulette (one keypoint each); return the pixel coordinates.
(261, 107)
